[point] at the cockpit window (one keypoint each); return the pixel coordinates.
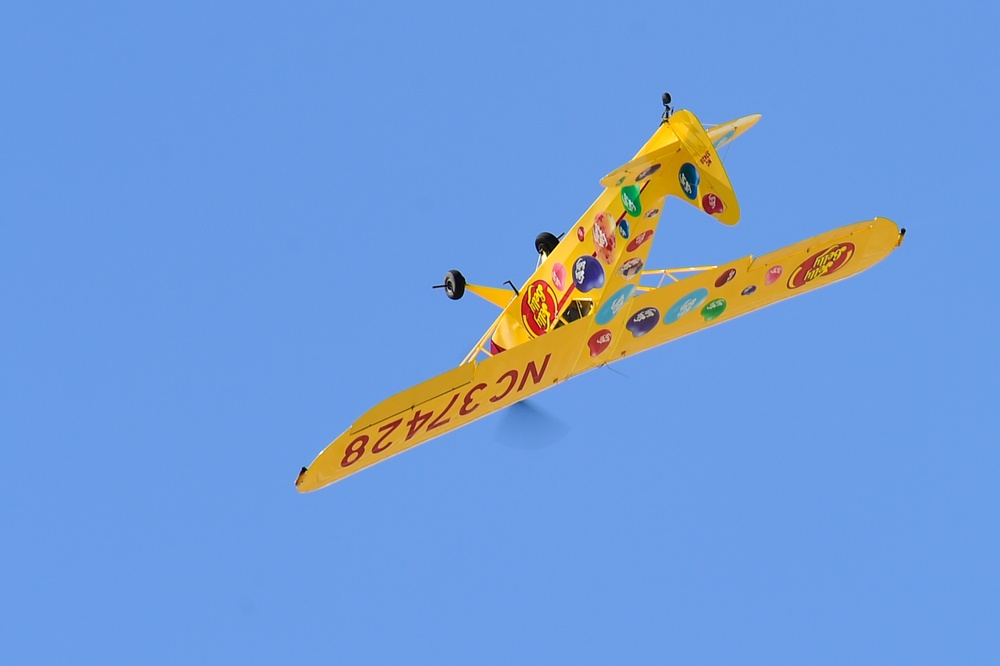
(577, 309)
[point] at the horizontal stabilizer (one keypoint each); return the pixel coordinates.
(499, 297)
(723, 134)
(686, 159)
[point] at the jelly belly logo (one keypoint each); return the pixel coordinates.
(773, 273)
(538, 307)
(725, 277)
(588, 273)
(604, 237)
(623, 228)
(614, 305)
(712, 204)
(558, 276)
(643, 321)
(713, 309)
(688, 178)
(599, 342)
(724, 139)
(637, 242)
(630, 200)
(822, 263)
(647, 172)
(689, 303)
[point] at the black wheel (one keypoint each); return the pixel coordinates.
(545, 243)
(454, 285)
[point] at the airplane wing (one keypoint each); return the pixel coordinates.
(620, 327)
(593, 271)
(726, 292)
(446, 402)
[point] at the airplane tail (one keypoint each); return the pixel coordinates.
(683, 146)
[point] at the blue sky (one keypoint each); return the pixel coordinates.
(220, 223)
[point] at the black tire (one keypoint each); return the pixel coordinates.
(454, 285)
(545, 243)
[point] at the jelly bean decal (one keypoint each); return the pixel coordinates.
(639, 240)
(599, 341)
(630, 200)
(643, 321)
(685, 305)
(631, 268)
(580, 233)
(829, 261)
(713, 309)
(724, 139)
(712, 204)
(614, 305)
(725, 277)
(588, 273)
(623, 228)
(558, 276)
(688, 178)
(749, 290)
(773, 275)
(647, 172)
(604, 237)
(652, 213)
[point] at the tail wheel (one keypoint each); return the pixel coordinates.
(545, 243)
(454, 285)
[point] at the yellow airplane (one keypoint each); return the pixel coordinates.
(585, 305)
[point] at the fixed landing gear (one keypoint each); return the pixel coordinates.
(454, 285)
(545, 243)
(454, 281)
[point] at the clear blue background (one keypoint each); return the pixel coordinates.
(220, 225)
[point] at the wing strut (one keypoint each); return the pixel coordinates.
(669, 273)
(481, 345)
